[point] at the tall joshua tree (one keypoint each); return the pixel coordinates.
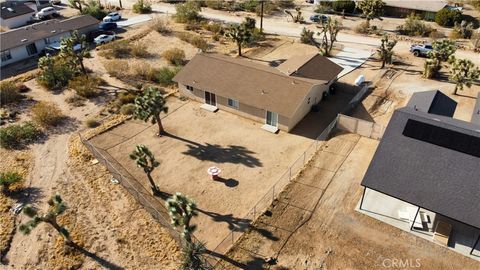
(371, 9)
(75, 57)
(145, 159)
(57, 207)
(386, 50)
(329, 32)
(149, 105)
(463, 72)
(240, 34)
(442, 50)
(181, 210)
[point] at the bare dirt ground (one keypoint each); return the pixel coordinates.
(313, 224)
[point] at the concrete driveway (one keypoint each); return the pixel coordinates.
(351, 58)
(134, 20)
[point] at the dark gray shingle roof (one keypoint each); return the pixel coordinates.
(434, 102)
(476, 112)
(11, 9)
(433, 177)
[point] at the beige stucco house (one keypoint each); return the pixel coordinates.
(279, 97)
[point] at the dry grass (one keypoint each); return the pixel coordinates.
(175, 56)
(161, 25)
(47, 114)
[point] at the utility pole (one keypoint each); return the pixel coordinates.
(261, 16)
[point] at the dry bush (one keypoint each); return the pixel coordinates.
(85, 86)
(161, 25)
(175, 56)
(213, 27)
(116, 49)
(143, 70)
(127, 109)
(195, 40)
(75, 100)
(362, 28)
(9, 92)
(436, 34)
(139, 50)
(47, 114)
(92, 123)
(117, 68)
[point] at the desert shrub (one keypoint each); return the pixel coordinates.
(139, 50)
(127, 109)
(175, 56)
(362, 28)
(165, 75)
(343, 5)
(447, 17)
(195, 40)
(306, 36)
(17, 135)
(91, 123)
(435, 34)
(143, 70)
(187, 12)
(142, 7)
(286, 4)
(161, 25)
(215, 4)
(192, 26)
(414, 26)
(117, 68)
(116, 49)
(94, 9)
(85, 86)
(269, 7)
(462, 30)
(9, 92)
(46, 114)
(9, 178)
(75, 100)
(213, 27)
(126, 98)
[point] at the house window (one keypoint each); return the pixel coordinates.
(6, 55)
(32, 49)
(308, 102)
(47, 40)
(233, 103)
(189, 88)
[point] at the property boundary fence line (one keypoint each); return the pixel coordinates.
(361, 127)
(157, 209)
(153, 205)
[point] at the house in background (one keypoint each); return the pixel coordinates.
(426, 9)
(15, 14)
(278, 97)
(29, 41)
(425, 175)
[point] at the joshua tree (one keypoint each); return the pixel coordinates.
(240, 34)
(149, 105)
(145, 159)
(191, 256)
(181, 210)
(329, 30)
(75, 58)
(442, 50)
(57, 207)
(463, 72)
(386, 50)
(8, 178)
(371, 9)
(297, 18)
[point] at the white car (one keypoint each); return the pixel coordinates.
(102, 39)
(112, 16)
(46, 12)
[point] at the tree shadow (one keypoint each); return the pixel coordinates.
(162, 195)
(235, 154)
(104, 263)
(234, 224)
(255, 263)
(265, 233)
(27, 195)
(228, 182)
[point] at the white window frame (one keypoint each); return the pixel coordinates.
(189, 88)
(233, 103)
(266, 118)
(6, 55)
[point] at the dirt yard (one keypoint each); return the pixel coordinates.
(313, 225)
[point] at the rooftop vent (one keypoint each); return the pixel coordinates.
(10, 9)
(53, 31)
(24, 40)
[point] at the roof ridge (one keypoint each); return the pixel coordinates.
(244, 65)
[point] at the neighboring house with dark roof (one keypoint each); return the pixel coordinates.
(15, 14)
(430, 160)
(29, 41)
(278, 97)
(476, 112)
(426, 9)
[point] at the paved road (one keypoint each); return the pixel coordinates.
(134, 20)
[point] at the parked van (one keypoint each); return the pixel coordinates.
(46, 12)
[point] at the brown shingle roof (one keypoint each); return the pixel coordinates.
(311, 66)
(38, 31)
(250, 83)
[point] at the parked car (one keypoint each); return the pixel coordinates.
(107, 26)
(92, 35)
(421, 49)
(55, 2)
(318, 18)
(112, 16)
(102, 39)
(55, 47)
(44, 12)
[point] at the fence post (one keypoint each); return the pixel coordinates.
(290, 173)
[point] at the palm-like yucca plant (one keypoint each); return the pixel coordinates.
(149, 105)
(386, 50)
(463, 72)
(181, 210)
(145, 159)
(192, 256)
(57, 207)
